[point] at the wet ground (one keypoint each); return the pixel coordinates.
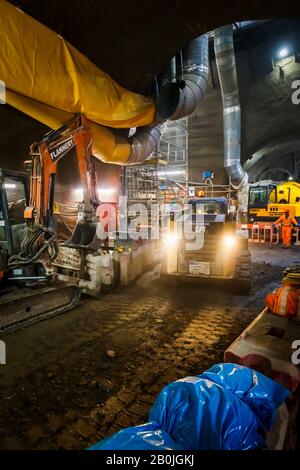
(74, 379)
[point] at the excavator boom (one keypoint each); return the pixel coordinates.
(43, 293)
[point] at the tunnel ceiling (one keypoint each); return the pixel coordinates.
(133, 41)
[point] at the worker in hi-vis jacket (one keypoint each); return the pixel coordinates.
(287, 222)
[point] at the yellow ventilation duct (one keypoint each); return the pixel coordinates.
(108, 146)
(49, 80)
(39, 64)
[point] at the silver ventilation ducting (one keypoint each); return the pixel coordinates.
(225, 60)
(181, 88)
(143, 143)
(179, 98)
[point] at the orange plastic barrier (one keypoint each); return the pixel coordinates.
(266, 233)
(262, 232)
(266, 345)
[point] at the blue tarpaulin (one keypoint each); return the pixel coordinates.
(228, 407)
(144, 437)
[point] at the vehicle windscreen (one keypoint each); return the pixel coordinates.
(205, 208)
(258, 197)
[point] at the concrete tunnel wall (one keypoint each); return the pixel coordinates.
(268, 114)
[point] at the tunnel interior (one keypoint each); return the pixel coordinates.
(149, 226)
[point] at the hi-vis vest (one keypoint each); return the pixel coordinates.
(284, 301)
(289, 221)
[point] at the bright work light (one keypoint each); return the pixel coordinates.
(229, 241)
(283, 53)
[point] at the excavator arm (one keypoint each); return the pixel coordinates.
(30, 268)
(45, 156)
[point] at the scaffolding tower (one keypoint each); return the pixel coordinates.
(163, 177)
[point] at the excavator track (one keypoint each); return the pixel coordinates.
(22, 307)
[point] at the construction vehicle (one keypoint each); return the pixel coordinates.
(269, 199)
(40, 277)
(36, 297)
(13, 200)
(221, 251)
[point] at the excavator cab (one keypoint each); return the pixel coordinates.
(13, 200)
(19, 307)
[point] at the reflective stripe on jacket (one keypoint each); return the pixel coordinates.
(284, 301)
(286, 221)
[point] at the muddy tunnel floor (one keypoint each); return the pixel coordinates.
(76, 378)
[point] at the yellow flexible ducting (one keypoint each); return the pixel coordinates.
(107, 145)
(37, 63)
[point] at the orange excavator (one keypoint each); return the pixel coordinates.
(40, 277)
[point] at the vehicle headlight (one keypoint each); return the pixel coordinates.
(229, 241)
(171, 238)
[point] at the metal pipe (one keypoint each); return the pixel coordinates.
(173, 69)
(179, 99)
(225, 60)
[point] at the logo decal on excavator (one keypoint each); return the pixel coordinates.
(61, 149)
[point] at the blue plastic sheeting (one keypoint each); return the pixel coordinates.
(228, 407)
(145, 437)
(261, 394)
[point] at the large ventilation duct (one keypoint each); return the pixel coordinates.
(143, 143)
(58, 82)
(39, 64)
(180, 98)
(225, 60)
(109, 145)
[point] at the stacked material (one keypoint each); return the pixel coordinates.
(291, 275)
(100, 268)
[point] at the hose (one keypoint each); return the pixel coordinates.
(34, 245)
